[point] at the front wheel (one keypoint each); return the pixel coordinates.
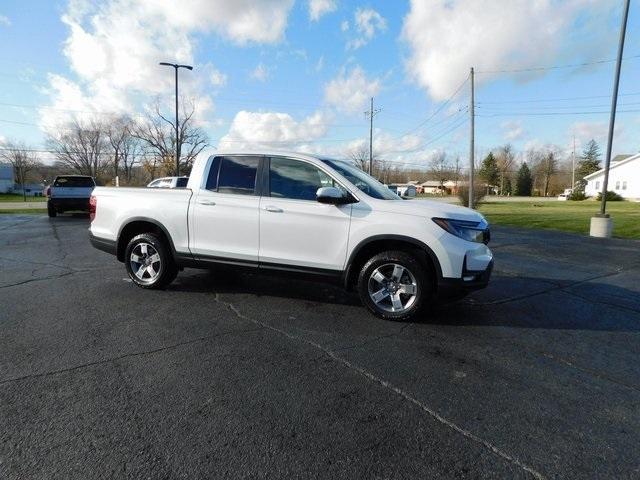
(149, 262)
(395, 285)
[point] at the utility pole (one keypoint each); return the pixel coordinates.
(176, 67)
(573, 164)
(471, 142)
(601, 224)
(371, 113)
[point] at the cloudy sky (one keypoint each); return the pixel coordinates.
(298, 75)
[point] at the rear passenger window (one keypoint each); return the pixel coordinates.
(238, 175)
(212, 178)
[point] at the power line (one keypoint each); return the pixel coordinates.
(543, 100)
(555, 67)
(535, 114)
(438, 110)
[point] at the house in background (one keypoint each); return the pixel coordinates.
(6, 178)
(30, 189)
(624, 178)
(433, 187)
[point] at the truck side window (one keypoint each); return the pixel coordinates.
(238, 175)
(295, 179)
(212, 178)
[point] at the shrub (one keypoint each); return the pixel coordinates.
(463, 195)
(577, 195)
(611, 197)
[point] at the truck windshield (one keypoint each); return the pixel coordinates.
(363, 181)
(74, 182)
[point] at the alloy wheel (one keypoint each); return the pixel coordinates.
(393, 288)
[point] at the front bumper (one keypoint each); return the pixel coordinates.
(469, 281)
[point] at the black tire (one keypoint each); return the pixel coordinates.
(164, 267)
(51, 210)
(416, 277)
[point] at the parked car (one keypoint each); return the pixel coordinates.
(564, 196)
(69, 192)
(297, 214)
(169, 182)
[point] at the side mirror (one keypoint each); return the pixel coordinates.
(332, 196)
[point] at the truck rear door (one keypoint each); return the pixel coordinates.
(224, 212)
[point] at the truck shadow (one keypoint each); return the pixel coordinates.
(590, 306)
(225, 279)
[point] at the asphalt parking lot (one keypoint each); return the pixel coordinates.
(234, 375)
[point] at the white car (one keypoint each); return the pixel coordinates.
(298, 214)
(169, 182)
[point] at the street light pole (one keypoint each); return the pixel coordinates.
(176, 67)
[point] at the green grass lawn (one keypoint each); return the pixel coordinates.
(22, 211)
(17, 197)
(567, 216)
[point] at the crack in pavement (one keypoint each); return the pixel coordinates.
(557, 287)
(127, 355)
(70, 272)
(601, 302)
(389, 386)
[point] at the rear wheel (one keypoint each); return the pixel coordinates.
(149, 262)
(51, 210)
(395, 285)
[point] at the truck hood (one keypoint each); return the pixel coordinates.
(429, 209)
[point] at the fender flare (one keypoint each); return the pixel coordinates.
(401, 238)
(120, 248)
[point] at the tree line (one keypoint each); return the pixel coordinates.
(542, 171)
(134, 150)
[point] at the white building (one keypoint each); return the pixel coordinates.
(624, 179)
(6, 177)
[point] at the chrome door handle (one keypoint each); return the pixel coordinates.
(206, 202)
(271, 208)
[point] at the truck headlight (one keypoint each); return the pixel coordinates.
(467, 230)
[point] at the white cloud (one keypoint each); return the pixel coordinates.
(318, 8)
(447, 37)
(274, 130)
(4, 21)
(217, 78)
(344, 25)
(513, 130)
(350, 92)
(320, 64)
(260, 73)
(367, 22)
(598, 131)
(114, 47)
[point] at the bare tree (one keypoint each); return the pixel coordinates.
(22, 160)
(82, 147)
(125, 147)
(505, 158)
(547, 167)
(440, 169)
(360, 157)
(157, 133)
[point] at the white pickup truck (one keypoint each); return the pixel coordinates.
(69, 192)
(300, 214)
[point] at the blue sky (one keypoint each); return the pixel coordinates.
(298, 75)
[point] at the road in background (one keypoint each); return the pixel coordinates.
(228, 374)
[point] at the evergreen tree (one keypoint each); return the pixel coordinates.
(506, 189)
(489, 171)
(589, 162)
(524, 182)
